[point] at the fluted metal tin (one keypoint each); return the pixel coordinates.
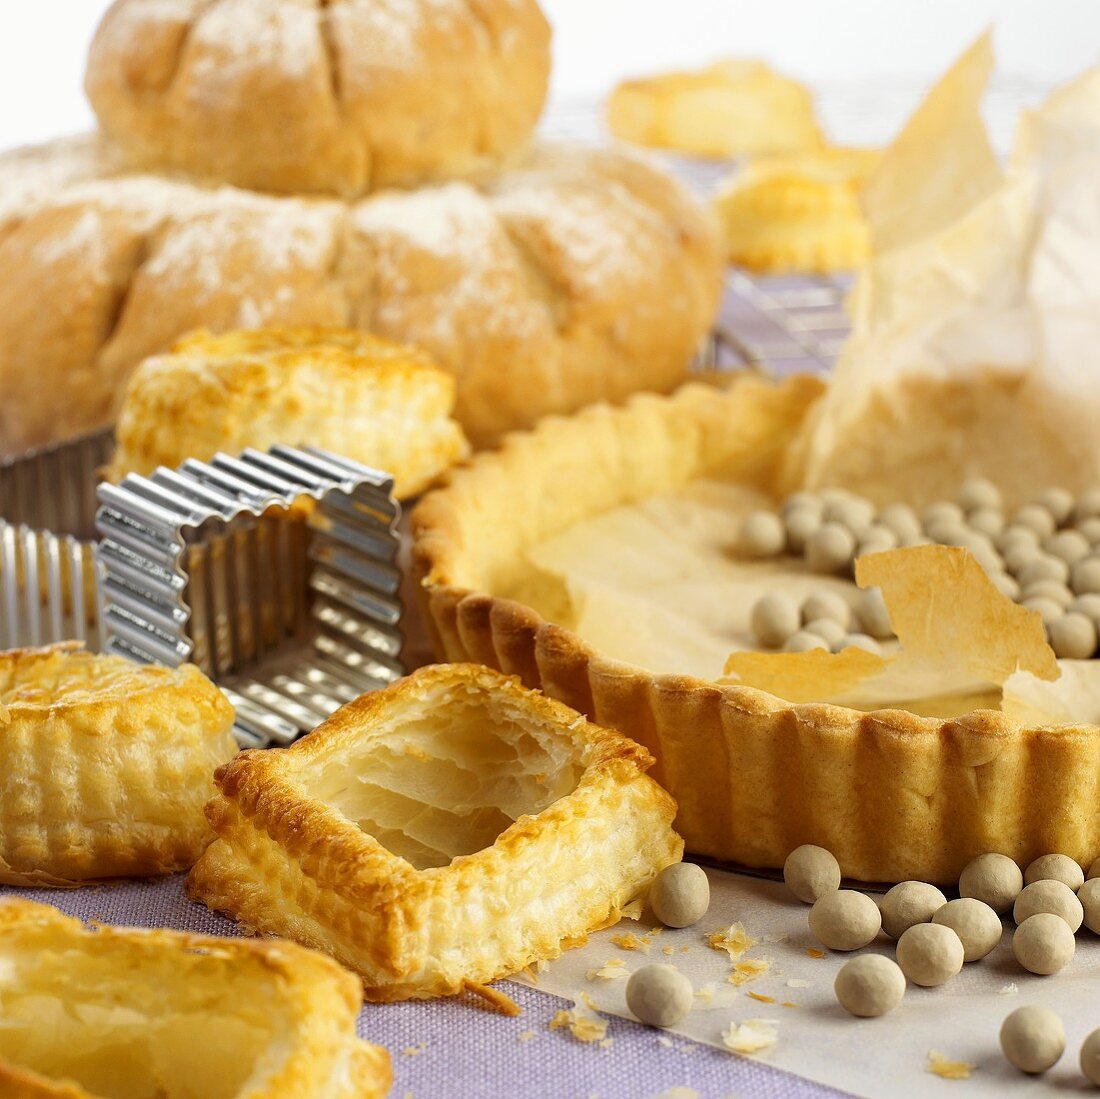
(49, 589)
(274, 572)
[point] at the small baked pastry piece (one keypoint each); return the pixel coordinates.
(380, 403)
(90, 1012)
(104, 765)
(798, 212)
(731, 108)
(292, 96)
(444, 832)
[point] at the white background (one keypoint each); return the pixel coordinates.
(43, 42)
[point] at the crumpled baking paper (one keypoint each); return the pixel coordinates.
(975, 345)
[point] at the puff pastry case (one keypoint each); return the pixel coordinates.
(489, 611)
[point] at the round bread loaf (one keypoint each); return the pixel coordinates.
(320, 96)
(582, 275)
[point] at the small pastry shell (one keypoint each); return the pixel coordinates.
(444, 832)
(798, 212)
(104, 765)
(730, 108)
(380, 403)
(90, 1012)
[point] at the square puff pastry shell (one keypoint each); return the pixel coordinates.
(104, 765)
(892, 794)
(444, 832)
(86, 1012)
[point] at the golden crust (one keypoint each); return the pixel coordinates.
(104, 766)
(444, 832)
(258, 388)
(281, 96)
(893, 795)
(731, 108)
(798, 212)
(90, 1011)
(582, 275)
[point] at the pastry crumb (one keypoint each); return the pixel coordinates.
(630, 941)
(678, 1093)
(582, 1020)
(607, 1043)
(781, 938)
(633, 910)
(749, 970)
(787, 1003)
(735, 940)
(813, 952)
(1009, 989)
(668, 950)
(763, 997)
(939, 1065)
(663, 1041)
(416, 1050)
(798, 982)
(525, 1035)
(751, 1036)
(609, 971)
(494, 999)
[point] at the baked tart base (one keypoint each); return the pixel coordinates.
(107, 1011)
(892, 794)
(441, 833)
(104, 766)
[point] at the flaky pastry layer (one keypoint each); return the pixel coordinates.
(104, 766)
(99, 1011)
(444, 832)
(380, 403)
(893, 795)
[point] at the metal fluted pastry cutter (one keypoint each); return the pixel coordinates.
(275, 572)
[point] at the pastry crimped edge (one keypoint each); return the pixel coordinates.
(288, 864)
(320, 1001)
(894, 796)
(108, 785)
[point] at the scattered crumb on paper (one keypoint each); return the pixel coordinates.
(583, 1023)
(749, 970)
(612, 969)
(787, 1003)
(798, 982)
(751, 1036)
(939, 1065)
(668, 950)
(735, 940)
(813, 952)
(629, 941)
(761, 997)
(1009, 989)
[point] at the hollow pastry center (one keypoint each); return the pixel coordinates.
(448, 780)
(130, 1027)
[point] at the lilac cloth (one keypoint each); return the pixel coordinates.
(468, 1052)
